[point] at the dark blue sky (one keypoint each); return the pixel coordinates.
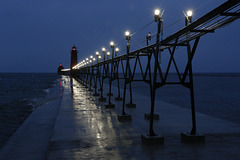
(35, 36)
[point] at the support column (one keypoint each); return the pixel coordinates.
(152, 137)
(193, 136)
(110, 105)
(103, 77)
(124, 116)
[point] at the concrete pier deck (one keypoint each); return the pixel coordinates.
(80, 127)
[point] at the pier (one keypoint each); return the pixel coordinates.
(153, 71)
(92, 119)
(77, 126)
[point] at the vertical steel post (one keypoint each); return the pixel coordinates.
(147, 40)
(119, 95)
(90, 74)
(193, 131)
(130, 76)
(87, 76)
(110, 76)
(103, 74)
(148, 37)
(97, 74)
(156, 63)
(117, 74)
(126, 77)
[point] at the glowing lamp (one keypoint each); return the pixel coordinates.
(91, 57)
(189, 13)
(99, 57)
(94, 59)
(108, 53)
(157, 15)
(127, 34)
(157, 12)
(97, 53)
(111, 43)
(117, 50)
(90, 61)
(86, 59)
(103, 49)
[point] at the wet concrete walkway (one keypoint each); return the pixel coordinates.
(84, 129)
(78, 126)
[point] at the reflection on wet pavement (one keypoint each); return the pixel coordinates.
(94, 131)
(84, 129)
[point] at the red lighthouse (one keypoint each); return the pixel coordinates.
(73, 57)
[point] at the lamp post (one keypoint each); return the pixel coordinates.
(188, 17)
(103, 76)
(116, 51)
(108, 54)
(97, 54)
(124, 116)
(84, 75)
(188, 20)
(87, 73)
(110, 105)
(91, 72)
(97, 75)
(112, 62)
(118, 98)
(127, 34)
(128, 74)
(148, 37)
(95, 78)
(153, 83)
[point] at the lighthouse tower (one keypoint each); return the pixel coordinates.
(73, 57)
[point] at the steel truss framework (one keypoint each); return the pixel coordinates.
(188, 37)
